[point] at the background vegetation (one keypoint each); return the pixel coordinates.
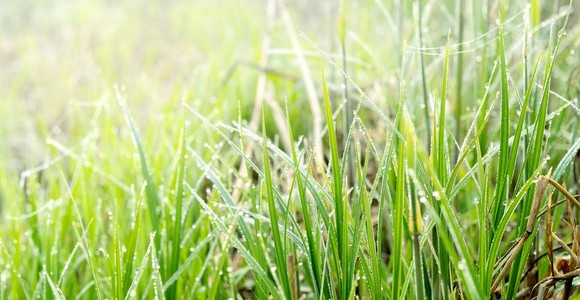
(416, 149)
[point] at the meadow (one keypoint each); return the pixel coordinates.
(272, 149)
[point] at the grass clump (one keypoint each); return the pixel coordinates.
(383, 178)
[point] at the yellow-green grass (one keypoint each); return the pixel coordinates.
(129, 166)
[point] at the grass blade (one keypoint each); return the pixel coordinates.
(280, 252)
(177, 226)
(398, 205)
(153, 202)
(500, 195)
(340, 203)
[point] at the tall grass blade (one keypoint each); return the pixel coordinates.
(313, 243)
(441, 155)
(423, 78)
(415, 220)
(130, 255)
(153, 202)
(177, 225)
(340, 202)
(279, 250)
(398, 205)
(347, 111)
(459, 107)
(500, 195)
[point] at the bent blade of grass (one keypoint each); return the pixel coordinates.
(255, 248)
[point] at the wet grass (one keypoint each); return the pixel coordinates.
(133, 163)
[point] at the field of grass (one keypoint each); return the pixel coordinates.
(302, 150)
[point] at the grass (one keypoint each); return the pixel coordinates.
(435, 156)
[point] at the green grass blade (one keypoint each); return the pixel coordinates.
(415, 221)
(117, 253)
(279, 251)
(153, 202)
(85, 241)
(177, 226)
(156, 276)
(340, 204)
(56, 291)
(139, 273)
(521, 120)
(423, 78)
(315, 266)
(347, 111)
(459, 107)
(441, 163)
(128, 266)
(503, 177)
(398, 206)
